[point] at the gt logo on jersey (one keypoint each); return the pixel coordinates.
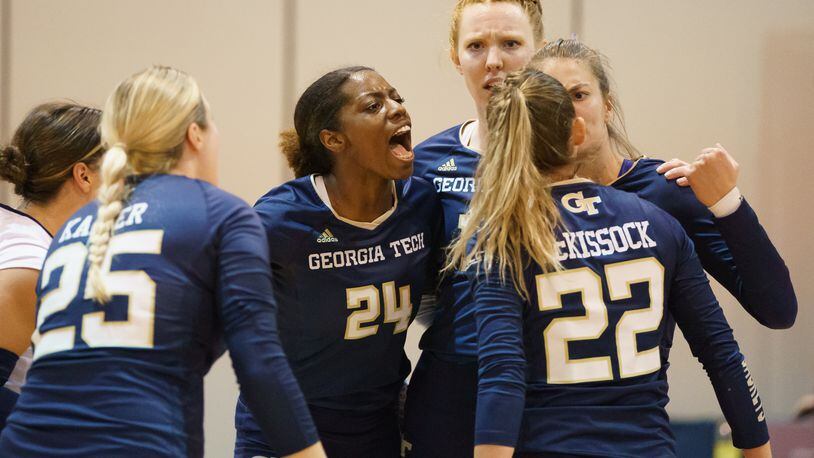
(576, 203)
(326, 237)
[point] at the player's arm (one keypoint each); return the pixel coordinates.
(18, 301)
(248, 313)
(493, 451)
(316, 451)
(501, 365)
(732, 245)
(703, 324)
(429, 298)
(18, 283)
(764, 451)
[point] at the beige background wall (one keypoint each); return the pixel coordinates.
(5, 40)
(689, 73)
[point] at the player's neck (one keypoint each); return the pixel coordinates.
(563, 173)
(51, 215)
(477, 141)
(602, 166)
(359, 198)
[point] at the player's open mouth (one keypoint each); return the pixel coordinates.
(401, 144)
(492, 82)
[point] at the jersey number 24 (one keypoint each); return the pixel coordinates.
(396, 309)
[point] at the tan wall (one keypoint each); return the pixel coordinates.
(696, 72)
(690, 73)
(5, 34)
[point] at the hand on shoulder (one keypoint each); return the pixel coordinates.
(710, 176)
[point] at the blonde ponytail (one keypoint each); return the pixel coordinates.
(112, 192)
(146, 120)
(512, 216)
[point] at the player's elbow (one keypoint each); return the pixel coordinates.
(780, 321)
(773, 307)
(782, 316)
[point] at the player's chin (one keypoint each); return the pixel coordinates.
(400, 169)
(404, 172)
(401, 164)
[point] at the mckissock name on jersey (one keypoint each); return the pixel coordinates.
(605, 241)
(630, 260)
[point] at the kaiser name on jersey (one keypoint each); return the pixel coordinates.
(366, 255)
(80, 227)
(605, 241)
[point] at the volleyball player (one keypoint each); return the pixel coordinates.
(576, 285)
(143, 290)
(351, 242)
(488, 39)
(731, 244)
(52, 162)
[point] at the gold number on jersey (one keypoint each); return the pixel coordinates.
(396, 309)
(71, 258)
(561, 367)
(136, 332)
(551, 287)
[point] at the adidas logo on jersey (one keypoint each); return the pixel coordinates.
(326, 237)
(448, 166)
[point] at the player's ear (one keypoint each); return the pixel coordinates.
(456, 61)
(334, 141)
(608, 110)
(578, 132)
(195, 136)
(83, 177)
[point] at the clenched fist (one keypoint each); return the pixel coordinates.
(710, 176)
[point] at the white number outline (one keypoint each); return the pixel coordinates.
(620, 276)
(396, 310)
(72, 260)
(355, 298)
(136, 332)
(561, 369)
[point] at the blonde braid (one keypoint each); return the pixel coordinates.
(112, 193)
(146, 120)
(512, 216)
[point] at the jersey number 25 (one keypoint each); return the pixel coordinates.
(135, 332)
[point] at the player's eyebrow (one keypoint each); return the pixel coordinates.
(379, 93)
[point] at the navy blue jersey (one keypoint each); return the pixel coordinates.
(347, 293)
(444, 161)
(735, 249)
(585, 349)
(188, 272)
